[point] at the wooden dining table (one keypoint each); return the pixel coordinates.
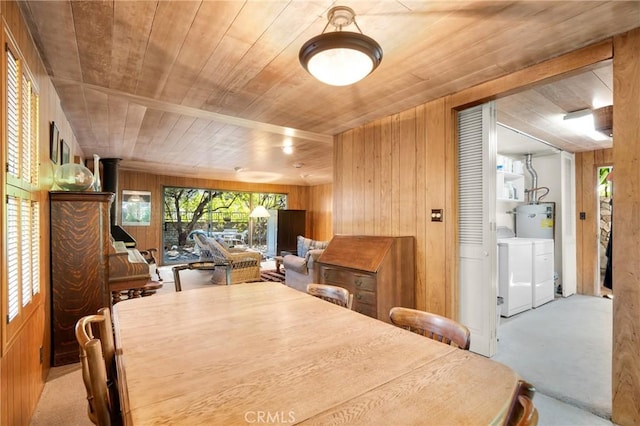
(266, 353)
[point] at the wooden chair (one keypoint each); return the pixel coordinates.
(97, 359)
(434, 326)
(235, 266)
(334, 294)
(522, 412)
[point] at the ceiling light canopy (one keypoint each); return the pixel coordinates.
(340, 58)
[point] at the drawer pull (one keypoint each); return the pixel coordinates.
(359, 296)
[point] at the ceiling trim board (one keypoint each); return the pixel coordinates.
(199, 113)
(529, 76)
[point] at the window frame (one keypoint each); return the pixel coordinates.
(24, 187)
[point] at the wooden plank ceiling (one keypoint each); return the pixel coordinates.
(200, 88)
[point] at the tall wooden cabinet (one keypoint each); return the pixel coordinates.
(378, 271)
(283, 228)
(80, 239)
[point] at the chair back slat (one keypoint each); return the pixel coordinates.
(98, 380)
(99, 366)
(433, 326)
(522, 411)
(334, 294)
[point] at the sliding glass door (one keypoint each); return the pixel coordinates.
(218, 214)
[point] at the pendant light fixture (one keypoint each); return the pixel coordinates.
(340, 58)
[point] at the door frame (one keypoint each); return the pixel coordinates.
(558, 68)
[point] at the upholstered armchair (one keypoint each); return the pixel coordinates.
(300, 268)
(236, 266)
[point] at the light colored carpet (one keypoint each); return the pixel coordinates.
(63, 401)
(564, 349)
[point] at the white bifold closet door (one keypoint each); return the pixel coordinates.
(477, 149)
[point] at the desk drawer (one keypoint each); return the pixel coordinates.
(369, 310)
(334, 276)
(364, 282)
(364, 297)
(352, 281)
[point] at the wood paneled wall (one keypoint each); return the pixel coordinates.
(390, 173)
(626, 229)
(587, 200)
(316, 201)
(22, 374)
(320, 212)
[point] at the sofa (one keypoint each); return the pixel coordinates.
(299, 268)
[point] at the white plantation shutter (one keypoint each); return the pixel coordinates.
(25, 143)
(13, 105)
(35, 138)
(13, 282)
(22, 239)
(25, 250)
(35, 247)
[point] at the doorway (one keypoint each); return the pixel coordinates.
(540, 113)
(605, 215)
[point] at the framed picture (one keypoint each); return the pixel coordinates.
(65, 152)
(54, 135)
(136, 208)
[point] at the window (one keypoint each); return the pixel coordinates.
(22, 208)
(218, 213)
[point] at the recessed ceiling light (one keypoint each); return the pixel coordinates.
(298, 165)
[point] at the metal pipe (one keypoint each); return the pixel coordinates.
(110, 182)
(533, 193)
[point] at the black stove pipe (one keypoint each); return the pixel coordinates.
(110, 184)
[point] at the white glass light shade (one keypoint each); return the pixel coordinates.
(340, 67)
(340, 58)
(259, 211)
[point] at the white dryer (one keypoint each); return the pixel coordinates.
(515, 278)
(543, 290)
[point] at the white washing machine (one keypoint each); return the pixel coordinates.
(515, 277)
